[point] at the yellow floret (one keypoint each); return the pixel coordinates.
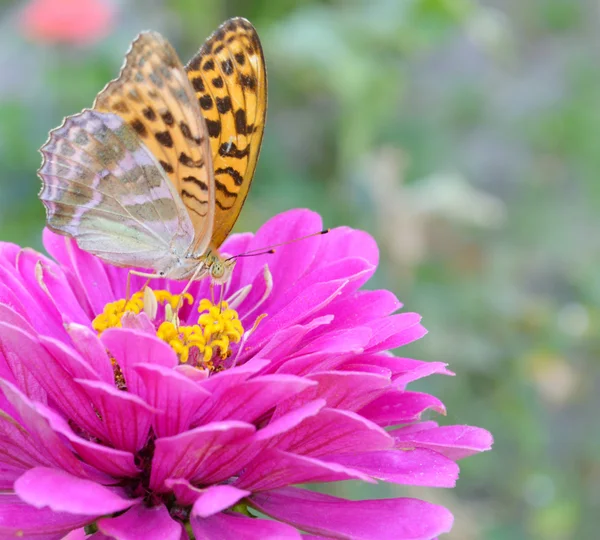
(218, 325)
(113, 311)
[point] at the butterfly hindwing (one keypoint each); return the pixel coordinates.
(104, 188)
(228, 75)
(153, 95)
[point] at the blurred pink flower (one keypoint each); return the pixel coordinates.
(143, 436)
(67, 21)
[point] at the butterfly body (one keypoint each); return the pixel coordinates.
(145, 179)
(211, 263)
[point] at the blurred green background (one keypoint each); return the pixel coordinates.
(465, 136)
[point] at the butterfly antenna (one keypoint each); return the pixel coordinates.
(270, 249)
(253, 254)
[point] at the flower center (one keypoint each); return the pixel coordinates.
(204, 345)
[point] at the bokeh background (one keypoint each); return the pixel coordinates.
(465, 136)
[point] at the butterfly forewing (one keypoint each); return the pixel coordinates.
(104, 188)
(229, 77)
(153, 95)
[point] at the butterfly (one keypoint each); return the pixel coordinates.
(155, 174)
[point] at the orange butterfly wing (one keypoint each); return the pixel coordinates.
(229, 77)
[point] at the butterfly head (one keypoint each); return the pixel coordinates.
(219, 269)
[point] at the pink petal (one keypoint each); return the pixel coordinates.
(454, 442)
(27, 352)
(241, 528)
(77, 534)
(352, 340)
(274, 468)
(139, 322)
(193, 374)
(360, 520)
(73, 364)
(400, 407)
(250, 399)
(185, 493)
(187, 454)
(334, 350)
(9, 472)
(286, 340)
(344, 242)
(414, 468)
(215, 499)
(49, 448)
(419, 371)
(345, 389)
(313, 299)
(290, 420)
(88, 269)
(72, 277)
(291, 261)
(54, 283)
(334, 432)
(42, 316)
(20, 520)
(13, 371)
(174, 395)
(220, 382)
(117, 463)
(142, 522)
(93, 353)
(395, 331)
(19, 452)
(258, 292)
(126, 417)
(12, 310)
(415, 428)
(230, 460)
(131, 347)
(405, 370)
(235, 457)
(61, 492)
(354, 271)
(34, 268)
(363, 307)
(9, 253)
(368, 363)
(211, 500)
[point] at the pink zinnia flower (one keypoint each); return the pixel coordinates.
(67, 21)
(139, 425)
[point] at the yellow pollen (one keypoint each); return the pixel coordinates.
(218, 326)
(113, 311)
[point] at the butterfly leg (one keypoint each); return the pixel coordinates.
(141, 274)
(195, 276)
(221, 295)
